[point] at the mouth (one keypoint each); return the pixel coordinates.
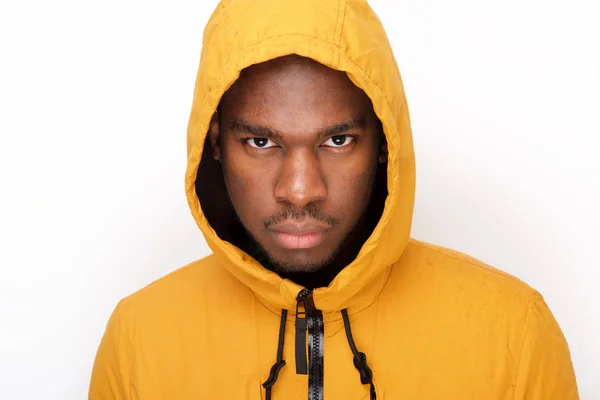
(299, 236)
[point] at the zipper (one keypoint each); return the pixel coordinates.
(308, 318)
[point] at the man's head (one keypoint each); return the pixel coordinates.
(299, 146)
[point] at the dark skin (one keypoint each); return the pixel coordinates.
(299, 146)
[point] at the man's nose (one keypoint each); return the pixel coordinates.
(300, 179)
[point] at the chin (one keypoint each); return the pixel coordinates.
(300, 264)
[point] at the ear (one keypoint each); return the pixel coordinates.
(213, 136)
(383, 153)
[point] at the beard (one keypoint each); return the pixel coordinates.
(309, 275)
(297, 266)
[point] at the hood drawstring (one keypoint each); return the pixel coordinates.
(274, 374)
(360, 359)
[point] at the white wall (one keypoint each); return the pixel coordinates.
(94, 101)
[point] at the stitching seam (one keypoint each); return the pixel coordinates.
(528, 318)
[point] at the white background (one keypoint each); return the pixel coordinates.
(94, 101)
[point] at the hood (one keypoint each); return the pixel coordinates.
(344, 35)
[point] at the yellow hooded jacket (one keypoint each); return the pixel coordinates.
(433, 323)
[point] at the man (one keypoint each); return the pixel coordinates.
(301, 175)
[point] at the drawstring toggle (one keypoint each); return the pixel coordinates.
(273, 374)
(366, 375)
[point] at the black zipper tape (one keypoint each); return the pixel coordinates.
(312, 319)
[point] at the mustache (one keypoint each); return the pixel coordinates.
(300, 214)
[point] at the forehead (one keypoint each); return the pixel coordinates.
(292, 93)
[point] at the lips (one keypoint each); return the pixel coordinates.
(299, 236)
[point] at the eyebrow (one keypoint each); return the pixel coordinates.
(266, 132)
(262, 131)
(343, 127)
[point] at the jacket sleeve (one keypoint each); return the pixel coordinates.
(544, 370)
(111, 372)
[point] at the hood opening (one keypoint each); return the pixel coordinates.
(221, 216)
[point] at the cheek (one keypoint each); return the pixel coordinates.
(350, 186)
(247, 187)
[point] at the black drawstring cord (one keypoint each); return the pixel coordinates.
(280, 361)
(360, 359)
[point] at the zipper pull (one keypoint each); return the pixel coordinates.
(301, 363)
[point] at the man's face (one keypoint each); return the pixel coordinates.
(299, 146)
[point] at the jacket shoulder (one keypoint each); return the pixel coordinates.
(200, 284)
(489, 300)
(444, 261)
(164, 323)
(488, 313)
(453, 275)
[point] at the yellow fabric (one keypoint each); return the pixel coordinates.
(434, 324)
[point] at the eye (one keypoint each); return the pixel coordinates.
(260, 143)
(339, 141)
